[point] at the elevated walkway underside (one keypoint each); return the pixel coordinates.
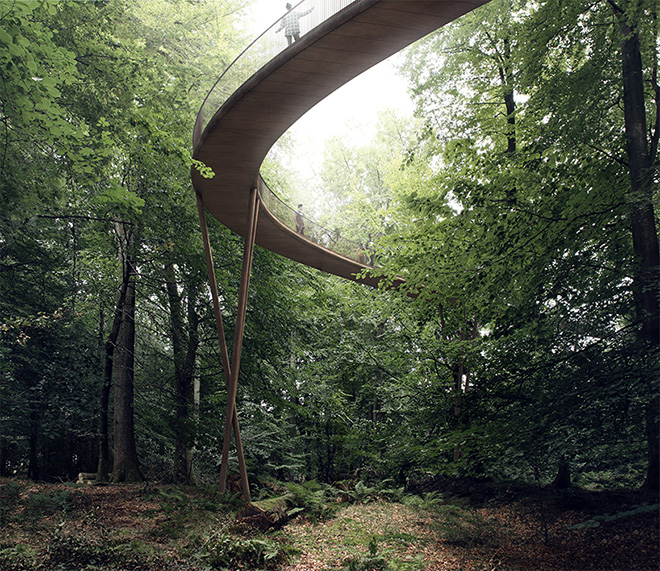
(236, 140)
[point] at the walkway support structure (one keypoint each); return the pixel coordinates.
(231, 381)
(267, 88)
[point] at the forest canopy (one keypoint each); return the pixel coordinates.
(519, 204)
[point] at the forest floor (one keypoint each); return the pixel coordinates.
(67, 527)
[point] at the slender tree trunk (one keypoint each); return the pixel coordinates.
(34, 468)
(103, 468)
(652, 481)
(563, 478)
(126, 466)
(185, 354)
(642, 217)
(459, 452)
(503, 61)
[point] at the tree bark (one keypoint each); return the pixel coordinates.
(563, 478)
(185, 354)
(652, 481)
(34, 468)
(126, 466)
(642, 217)
(103, 468)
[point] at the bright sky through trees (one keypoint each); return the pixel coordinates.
(351, 112)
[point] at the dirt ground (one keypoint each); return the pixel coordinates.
(492, 530)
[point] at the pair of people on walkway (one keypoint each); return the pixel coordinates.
(291, 24)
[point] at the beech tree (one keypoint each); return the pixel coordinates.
(527, 218)
(87, 85)
(518, 206)
(630, 31)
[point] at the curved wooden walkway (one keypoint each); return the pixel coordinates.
(236, 140)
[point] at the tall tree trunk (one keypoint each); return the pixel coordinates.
(502, 58)
(188, 376)
(642, 217)
(185, 354)
(460, 370)
(563, 478)
(652, 481)
(34, 467)
(103, 468)
(126, 466)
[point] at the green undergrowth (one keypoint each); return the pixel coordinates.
(377, 558)
(598, 520)
(61, 528)
(186, 509)
(320, 501)
(176, 528)
(171, 528)
(220, 549)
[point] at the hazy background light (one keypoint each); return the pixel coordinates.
(349, 113)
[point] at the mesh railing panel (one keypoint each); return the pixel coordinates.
(315, 232)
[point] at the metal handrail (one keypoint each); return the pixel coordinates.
(264, 48)
(329, 239)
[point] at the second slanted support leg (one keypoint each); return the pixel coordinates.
(248, 250)
(223, 351)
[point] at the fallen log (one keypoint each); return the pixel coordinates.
(266, 514)
(86, 478)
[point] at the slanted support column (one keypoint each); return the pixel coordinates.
(231, 380)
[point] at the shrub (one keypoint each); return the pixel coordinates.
(369, 562)
(221, 550)
(17, 558)
(312, 498)
(10, 493)
(83, 549)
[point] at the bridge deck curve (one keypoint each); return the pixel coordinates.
(237, 139)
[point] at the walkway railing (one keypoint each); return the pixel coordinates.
(315, 232)
(259, 53)
(263, 49)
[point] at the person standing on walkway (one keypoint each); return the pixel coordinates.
(291, 24)
(300, 220)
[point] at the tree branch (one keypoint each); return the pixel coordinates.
(81, 217)
(622, 162)
(615, 7)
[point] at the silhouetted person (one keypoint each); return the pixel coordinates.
(300, 221)
(291, 25)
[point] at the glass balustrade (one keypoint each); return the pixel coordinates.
(263, 49)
